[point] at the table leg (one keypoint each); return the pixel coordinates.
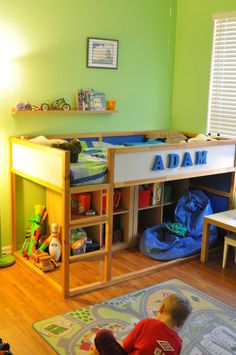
(205, 239)
(226, 247)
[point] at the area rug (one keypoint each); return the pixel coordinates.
(210, 329)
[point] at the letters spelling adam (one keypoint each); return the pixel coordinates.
(173, 160)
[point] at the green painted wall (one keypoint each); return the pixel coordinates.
(46, 42)
(194, 27)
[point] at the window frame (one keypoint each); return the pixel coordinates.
(217, 79)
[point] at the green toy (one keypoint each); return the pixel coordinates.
(176, 228)
(59, 104)
(36, 227)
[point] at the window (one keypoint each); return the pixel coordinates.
(222, 97)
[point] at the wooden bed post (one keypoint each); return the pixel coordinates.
(13, 212)
(232, 191)
(13, 202)
(65, 235)
(109, 213)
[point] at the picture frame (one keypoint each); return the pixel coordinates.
(102, 53)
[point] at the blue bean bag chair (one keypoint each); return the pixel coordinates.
(161, 244)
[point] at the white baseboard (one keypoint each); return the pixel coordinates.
(7, 249)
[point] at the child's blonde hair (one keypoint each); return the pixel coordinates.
(178, 307)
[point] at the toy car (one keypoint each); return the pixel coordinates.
(59, 104)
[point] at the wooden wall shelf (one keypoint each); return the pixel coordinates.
(60, 112)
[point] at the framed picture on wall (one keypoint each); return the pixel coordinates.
(102, 53)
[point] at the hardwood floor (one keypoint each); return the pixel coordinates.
(25, 299)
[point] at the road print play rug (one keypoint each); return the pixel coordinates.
(210, 329)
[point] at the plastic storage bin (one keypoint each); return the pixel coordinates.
(80, 203)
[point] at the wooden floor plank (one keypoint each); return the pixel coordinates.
(25, 299)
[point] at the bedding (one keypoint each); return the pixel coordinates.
(91, 167)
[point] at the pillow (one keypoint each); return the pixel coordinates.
(44, 141)
(170, 136)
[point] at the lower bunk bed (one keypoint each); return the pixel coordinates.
(141, 179)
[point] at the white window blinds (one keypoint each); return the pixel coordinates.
(222, 97)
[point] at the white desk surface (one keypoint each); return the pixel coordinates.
(226, 217)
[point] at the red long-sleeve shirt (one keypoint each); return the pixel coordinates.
(152, 337)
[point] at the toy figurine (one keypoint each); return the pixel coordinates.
(55, 244)
(23, 106)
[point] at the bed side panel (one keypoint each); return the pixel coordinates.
(139, 165)
(38, 163)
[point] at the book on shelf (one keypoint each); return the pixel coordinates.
(90, 100)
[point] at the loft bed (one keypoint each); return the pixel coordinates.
(208, 165)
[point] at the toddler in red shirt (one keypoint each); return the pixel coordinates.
(150, 336)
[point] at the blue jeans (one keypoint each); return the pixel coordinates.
(107, 344)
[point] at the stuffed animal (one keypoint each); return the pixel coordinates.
(74, 147)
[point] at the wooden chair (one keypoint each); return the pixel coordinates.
(229, 240)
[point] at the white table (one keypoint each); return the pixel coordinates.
(225, 220)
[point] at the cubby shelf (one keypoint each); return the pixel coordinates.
(156, 206)
(14, 112)
(120, 211)
(149, 207)
(87, 220)
(88, 188)
(91, 254)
